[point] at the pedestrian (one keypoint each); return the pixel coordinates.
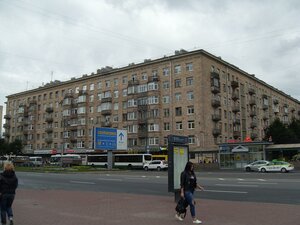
(188, 184)
(8, 186)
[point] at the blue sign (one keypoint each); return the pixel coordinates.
(105, 138)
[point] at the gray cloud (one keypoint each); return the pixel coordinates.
(77, 37)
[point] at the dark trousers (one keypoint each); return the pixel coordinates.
(6, 203)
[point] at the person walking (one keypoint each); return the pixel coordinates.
(8, 186)
(188, 184)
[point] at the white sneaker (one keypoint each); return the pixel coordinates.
(178, 217)
(197, 221)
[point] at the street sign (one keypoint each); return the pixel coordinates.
(110, 139)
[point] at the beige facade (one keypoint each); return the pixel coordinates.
(189, 93)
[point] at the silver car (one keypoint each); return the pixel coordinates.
(255, 165)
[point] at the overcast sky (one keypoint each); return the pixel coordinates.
(44, 40)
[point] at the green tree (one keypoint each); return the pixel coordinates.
(15, 147)
(282, 134)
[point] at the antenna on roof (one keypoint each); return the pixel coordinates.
(51, 75)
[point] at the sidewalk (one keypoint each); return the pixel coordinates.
(54, 207)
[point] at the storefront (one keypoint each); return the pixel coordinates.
(237, 155)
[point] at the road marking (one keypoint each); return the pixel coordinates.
(81, 182)
(255, 183)
(143, 176)
(262, 180)
(157, 176)
(236, 185)
(232, 192)
(240, 179)
(221, 178)
(110, 179)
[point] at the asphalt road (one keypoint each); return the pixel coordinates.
(229, 185)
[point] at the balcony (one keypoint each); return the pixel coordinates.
(49, 130)
(133, 82)
(252, 101)
(216, 132)
(73, 139)
(235, 96)
(236, 134)
(142, 120)
(6, 125)
(265, 107)
(143, 133)
(214, 75)
(82, 92)
(234, 84)
(49, 119)
(48, 140)
(216, 117)
(106, 99)
(251, 91)
(142, 107)
(276, 110)
(49, 109)
(236, 121)
(265, 116)
(106, 124)
(32, 102)
(153, 79)
(6, 134)
(235, 108)
(106, 112)
(275, 101)
(7, 117)
(215, 89)
(252, 113)
(68, 95)
(215, 103)
(253, 124)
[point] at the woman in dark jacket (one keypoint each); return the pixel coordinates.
(188, 184)
(8, 186)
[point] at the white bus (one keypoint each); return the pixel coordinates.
(128, 160)
(36, 160)
(66, 160)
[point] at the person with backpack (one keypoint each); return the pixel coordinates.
(8, 186)
(188, 184)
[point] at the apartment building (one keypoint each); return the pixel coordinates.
(194, 94)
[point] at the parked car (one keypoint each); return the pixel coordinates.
(255, 165)
(277, 166)
(156, 165)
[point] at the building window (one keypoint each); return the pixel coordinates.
(166, 126)
(99, 85)
(166, 112)
(124, 80)
(166, 99)
(116, 94)
(177, 83)
(116, 82)
(178, 111)
(190, 110)
(166, 85)
(178, 125)
(153, 141)
(153, 127)
(178, 96)
(107, 83)
(190, 95)
(91, 98)
(191, 139)
(177, 69)
(191, 124)
(144, 76)
(189, 81)
(92, 87)
(166, 71)
(116, 106)
(189, 67)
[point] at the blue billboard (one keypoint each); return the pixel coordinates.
(105, 138)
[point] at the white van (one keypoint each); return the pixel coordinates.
(36, 160)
